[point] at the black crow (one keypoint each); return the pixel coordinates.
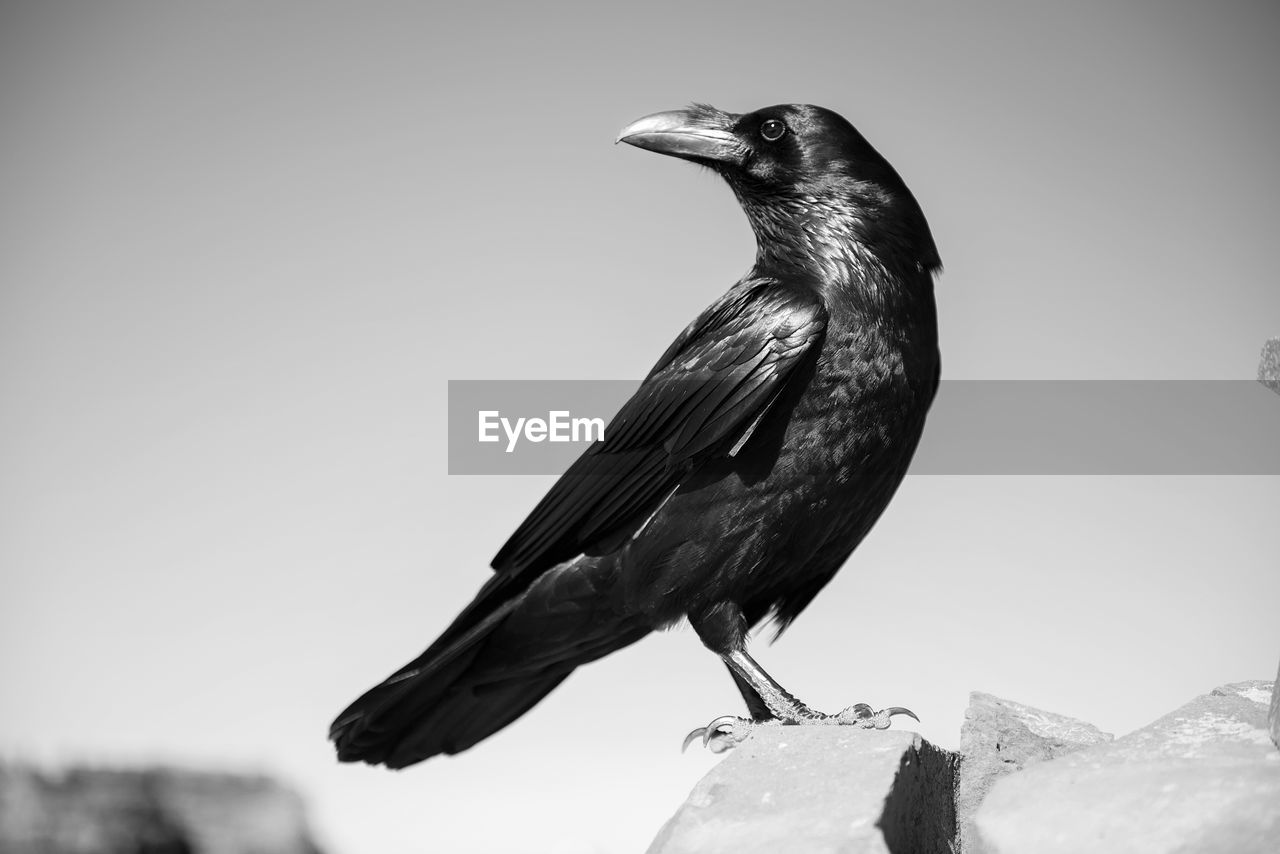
(728, 490)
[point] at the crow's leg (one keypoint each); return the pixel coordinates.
(759, 711)
(723, 629)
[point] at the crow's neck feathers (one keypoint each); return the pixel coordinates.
(844, 238)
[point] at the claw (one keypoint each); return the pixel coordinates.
(864, 716)
(692, 737)
(717, 740)
(713, 727)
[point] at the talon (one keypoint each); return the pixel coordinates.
(883, 719)
(712, 728)
(692, 737)
(723, 733)
(864, 716)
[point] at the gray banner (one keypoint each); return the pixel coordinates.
(1001, 427)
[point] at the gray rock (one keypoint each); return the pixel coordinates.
(1274, 717)
(1205, 778)
(999, 737)
(157, 811)
(1269, 365)
(820, 789)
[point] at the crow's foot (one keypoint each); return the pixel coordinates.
(724, 733)
(727, 732)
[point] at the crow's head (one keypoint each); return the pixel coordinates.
(800, 172)
(775, 149)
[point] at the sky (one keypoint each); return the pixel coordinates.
(245, 246)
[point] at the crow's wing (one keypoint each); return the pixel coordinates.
(701, 399)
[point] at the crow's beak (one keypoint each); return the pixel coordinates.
(680, 134)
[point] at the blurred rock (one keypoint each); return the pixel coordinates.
(999, 737)
(1269, 365)
(1205, 778)
(820, 789)
(153, 811)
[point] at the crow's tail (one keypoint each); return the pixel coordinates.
(499, 658)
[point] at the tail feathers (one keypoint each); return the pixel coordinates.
(463, 718)
(370, 729)
(478, 678)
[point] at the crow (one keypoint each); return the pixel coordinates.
(752, 460)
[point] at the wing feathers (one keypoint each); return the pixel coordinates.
(709, 388)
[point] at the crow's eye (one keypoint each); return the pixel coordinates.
(772, 130)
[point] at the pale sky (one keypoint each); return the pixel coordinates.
(244, 246)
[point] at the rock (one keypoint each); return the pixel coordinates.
(1274, 717)
(1000, 737)
(156, 811)
(1269, 365)
(820, 789)
(1205, 778)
